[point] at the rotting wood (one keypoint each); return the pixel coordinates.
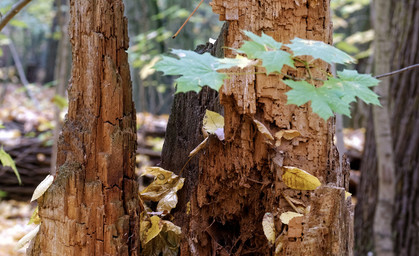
(92, 206)
(227, 206)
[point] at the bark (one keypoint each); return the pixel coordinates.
(386, 173)
(366, 195)
(91, 208)
(403, 104)
(237, 181)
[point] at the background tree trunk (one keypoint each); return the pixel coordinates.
(403, 25)
(91, 208)
(237, 181)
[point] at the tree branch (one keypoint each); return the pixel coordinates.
(12, 12)
(397, 71)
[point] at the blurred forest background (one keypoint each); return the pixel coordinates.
(35, 65)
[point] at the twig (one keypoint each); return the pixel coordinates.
(21, 72)
(12, 12)
(186, 21)
(397, 71)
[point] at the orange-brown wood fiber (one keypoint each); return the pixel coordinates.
(240, 178)
(92, 206)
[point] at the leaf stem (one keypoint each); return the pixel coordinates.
(186, 21)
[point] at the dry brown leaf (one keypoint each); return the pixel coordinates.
(262, 129)
(296, 178)
(286, 134)
(269, 227)
(287, 216)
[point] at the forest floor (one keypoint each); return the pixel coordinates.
(23, 117)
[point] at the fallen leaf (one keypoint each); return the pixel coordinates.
(6, 160)
(262, 129)
(269, 227)
(287, 216)
(168, 202)
(154, 230)
(296, 178)
(42, 187)
(347, 194)
(212, 121)
(35, 217)
(27, 238)
(163, 189)
(286, 134)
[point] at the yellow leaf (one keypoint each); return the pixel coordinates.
(287, 216)
(212, 122)
(296, 178)
(262, 129)
(161, 175)
(188, 208)
(27, 238)
(286, 134)
(154, 230)
(269, 227)
(163, 189)
(199, 147)
(42, 187)
(35, 217)
(347, 194)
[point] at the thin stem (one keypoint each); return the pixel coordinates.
(12, 12)
(397, 71)
(186, 21)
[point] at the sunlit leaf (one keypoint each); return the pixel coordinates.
(197, 70)
(287, 216)
(319, 50)
(35, 217)
(7, 161)
(296, 178)
(268, 50)
(213, 123)
(27, 238)
(42, 187)
(262, 129)
(238, 61)
(269, 227)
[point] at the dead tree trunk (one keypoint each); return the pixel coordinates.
(91, 208)
(236, 182)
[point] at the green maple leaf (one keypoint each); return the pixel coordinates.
(197, 70)
(275, 61)
(354, 85)
(268, 50)
(319, 50)
(6, 160)
(324, 100)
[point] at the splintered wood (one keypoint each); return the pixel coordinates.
(238, 180)
(91, 208)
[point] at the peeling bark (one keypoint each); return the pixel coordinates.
(91, 208)
(238, 180)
